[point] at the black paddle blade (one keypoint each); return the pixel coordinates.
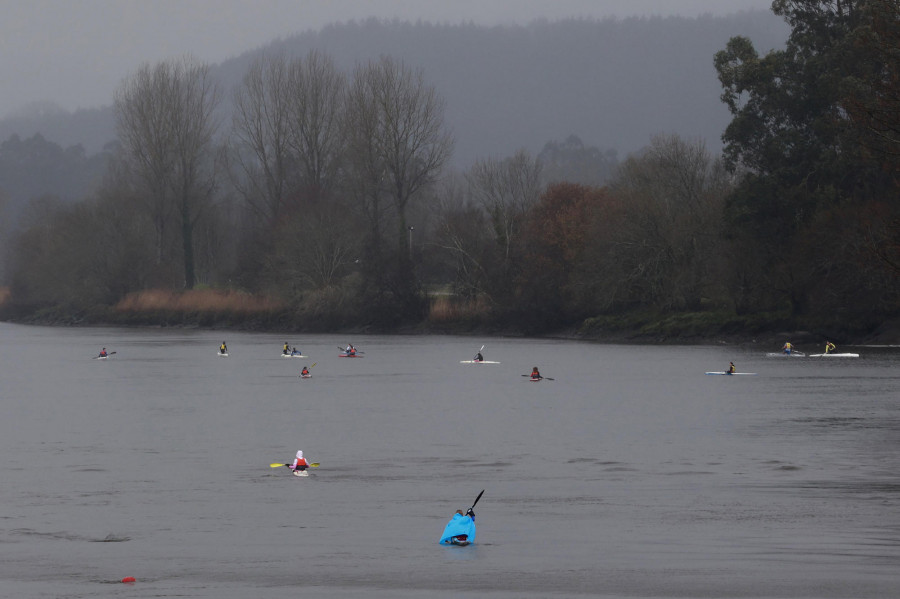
(477, 498)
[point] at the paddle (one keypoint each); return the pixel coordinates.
(476, 499)
(546, 378)
(311, 367)
(344, 349)
(313, 465)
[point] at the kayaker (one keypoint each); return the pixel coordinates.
(350, 351)
(304, 372)
(536, 374)
(299, 462)
(460, 529)
(287, 348)
(295, 351)
(478, 357)
(103, 353)
(731, 368)
(223, 349)
(829, 347)
(787, 348)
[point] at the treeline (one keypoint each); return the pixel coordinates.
(328, 192)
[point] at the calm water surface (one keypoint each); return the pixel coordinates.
(630, 475)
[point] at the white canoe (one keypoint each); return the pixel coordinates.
(477, 362)
(732, 373)
(293, 356)
(833, 355)
(301, 473)
(221, 354)
(796, 354)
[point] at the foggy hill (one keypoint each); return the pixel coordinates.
(613, 83)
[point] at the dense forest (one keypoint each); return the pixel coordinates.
(314, 197)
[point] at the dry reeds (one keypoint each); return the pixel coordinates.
(196, 301)
(447, 310)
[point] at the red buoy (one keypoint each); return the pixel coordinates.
(128, 579)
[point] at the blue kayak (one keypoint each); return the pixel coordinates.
(459, 531)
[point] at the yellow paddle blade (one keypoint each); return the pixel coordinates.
(314, 465)
(276, 465)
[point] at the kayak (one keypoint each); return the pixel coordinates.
(305, 376)
(350, 356)
(796, 354)
(732, 373)
(833, 355)
(221, 354)
(300, 473)
(459, 531)
(477, 362)
(293, 356)
(534, 380)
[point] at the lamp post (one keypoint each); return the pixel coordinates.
(410, 242)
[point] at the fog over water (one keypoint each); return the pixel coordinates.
(629, 474)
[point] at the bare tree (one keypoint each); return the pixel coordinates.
(261, 130)
(398, 126)
(286, 129)
(316, 90)
(506, 189)
(166, 123)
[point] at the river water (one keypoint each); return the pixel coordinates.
(631, 474)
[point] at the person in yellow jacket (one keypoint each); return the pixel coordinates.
(829, 347)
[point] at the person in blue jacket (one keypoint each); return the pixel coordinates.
(460, 530)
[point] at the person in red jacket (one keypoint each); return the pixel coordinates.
(299, 462)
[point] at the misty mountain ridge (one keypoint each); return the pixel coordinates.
(615, 83)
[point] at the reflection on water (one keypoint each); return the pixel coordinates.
(630, 474)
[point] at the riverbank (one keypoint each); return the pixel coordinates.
(227, 310)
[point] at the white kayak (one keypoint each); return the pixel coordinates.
(732, 373)
(305, 376)
(833, 355)
(796, 354)
(293, 356)
(301, 473)
(477, 362)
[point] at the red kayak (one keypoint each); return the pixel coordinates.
(350, 356)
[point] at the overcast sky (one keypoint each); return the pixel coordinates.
(75, 52)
